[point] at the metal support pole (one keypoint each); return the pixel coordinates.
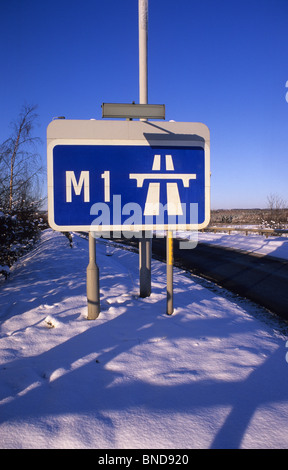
(143, 41)
(145, 246)
(145, 266)
(169, 257)
(93, 292)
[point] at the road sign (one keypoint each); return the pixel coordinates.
(128, 175)
(133, 111)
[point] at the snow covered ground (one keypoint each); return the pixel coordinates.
(272, 246)
(212, 375)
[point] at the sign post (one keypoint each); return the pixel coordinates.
(145, 243)
(169, 268)
(93, 292)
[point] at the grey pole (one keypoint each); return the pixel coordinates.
(169, 267)
(145, 245)
(93, 293)
(143, 41)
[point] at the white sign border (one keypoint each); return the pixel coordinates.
(125, 228)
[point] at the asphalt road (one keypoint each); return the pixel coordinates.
(260, 278)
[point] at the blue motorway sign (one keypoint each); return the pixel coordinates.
(127, 186)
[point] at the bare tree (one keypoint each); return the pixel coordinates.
(19, 160)
(276, 205)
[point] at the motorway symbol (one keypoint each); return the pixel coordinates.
(152, 204)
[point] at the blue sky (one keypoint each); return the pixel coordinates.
(220, 62)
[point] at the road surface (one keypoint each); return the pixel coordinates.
(262, 279)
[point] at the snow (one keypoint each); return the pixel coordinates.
(212, 375)
(272, 246)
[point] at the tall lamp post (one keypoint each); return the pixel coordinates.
(145, 245)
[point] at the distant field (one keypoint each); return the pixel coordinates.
(249, 216)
